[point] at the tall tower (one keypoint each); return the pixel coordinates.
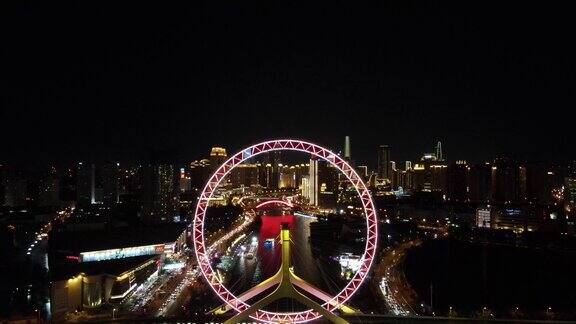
(439, 151)
(383, 162)
(347, 148)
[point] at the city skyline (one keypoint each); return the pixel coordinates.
(343, 162)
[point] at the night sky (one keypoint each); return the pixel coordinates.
(115, 79)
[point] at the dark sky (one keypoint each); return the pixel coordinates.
(100, 79)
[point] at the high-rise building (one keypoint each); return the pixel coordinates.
(184, 181)
(328, 184)
(393, 174)
(383, 162)
(200, 170)
(407, 176)
(265, 174)
(485, 217)
(217, 156)
(459, 181)
(305, 187)
(85, 184)
(110, 183)
(347, 155)
(439, 155)
(2, 185)
(363, 171)
(313, 182)
(508, 181)
(290, 175)
(49, 188)
(407, 165)
(430, 174)
(570, 184)
(158, 194)
(245, 174)
(480, 182)
(15, 187)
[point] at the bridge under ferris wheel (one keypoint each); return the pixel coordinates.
(285, 282)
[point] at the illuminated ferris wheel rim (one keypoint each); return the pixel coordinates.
(285, 145)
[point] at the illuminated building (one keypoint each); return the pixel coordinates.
(158, 197)
(291, 175)
(393, 175)
(408, 165)
(439, 156)
(217, 156)
(430, 174)
(327, 184)
(200, 170)
(305, 187)
(103, 266)
(408, 182)
(287, 177)
(347, 148)
(244, 175)
(85, 286)
(484, 217)
(313, 182)
(349, 264)
(275, 159)
(265, 175)
(383, 162)
(185, 183)
(570, 183)
(363, 171)
(571, 190)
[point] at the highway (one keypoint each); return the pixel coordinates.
(395, 290)
(167, 293)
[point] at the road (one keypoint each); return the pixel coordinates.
(167, 293)
(397, 293)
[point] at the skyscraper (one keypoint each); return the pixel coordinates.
(245, 174)
(15, 187)
(305, 187)
(110, 180)
(383, 162)
(327, 188)
(158, 204)
(439, 156)
(85, 184)
(217, 156)
(508, 181)
(347, 148)
(49, 188)
(313, 182)
(459, 181)
(480, 182)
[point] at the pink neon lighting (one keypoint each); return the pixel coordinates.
(275, 201)
(286, 145)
